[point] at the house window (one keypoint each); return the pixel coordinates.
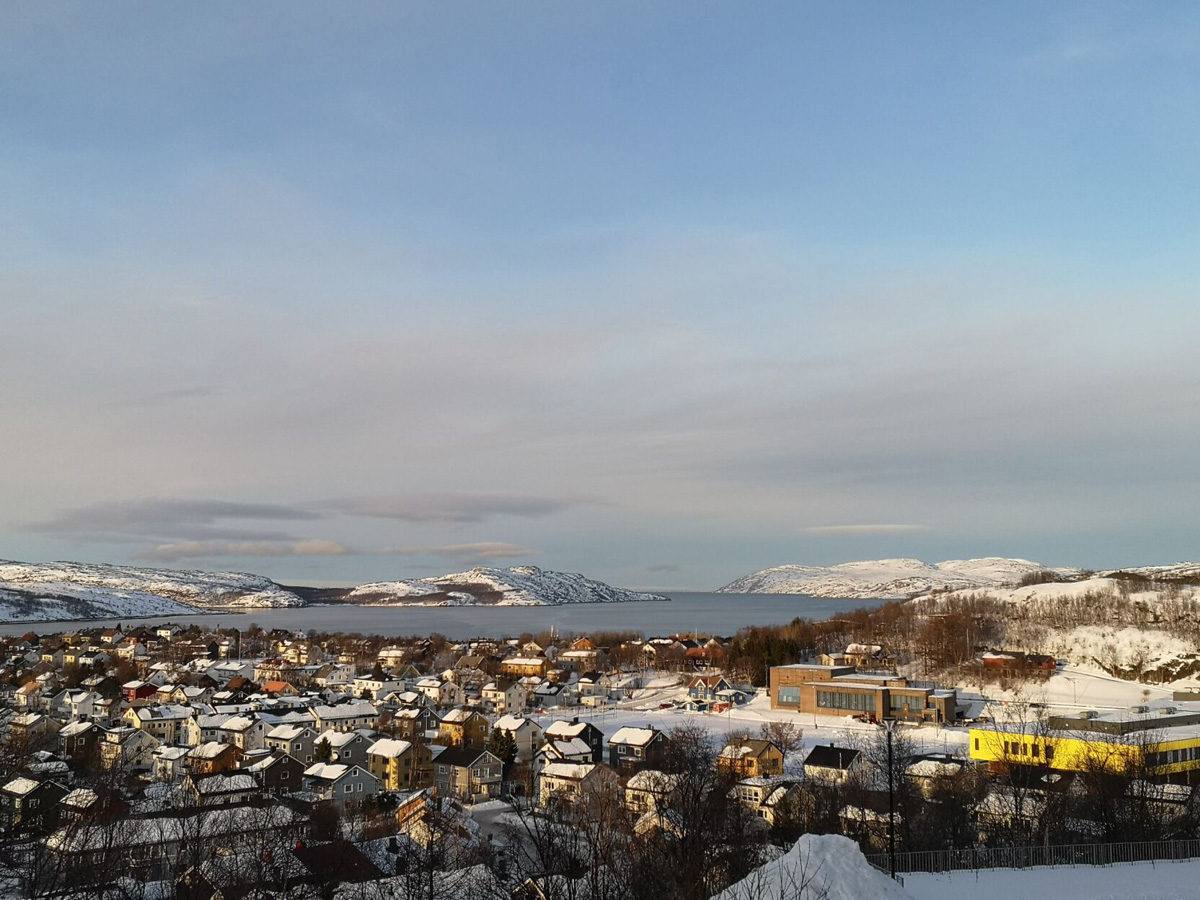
(976, 743)
(346, 789)
(1049, 753)
(283, 776)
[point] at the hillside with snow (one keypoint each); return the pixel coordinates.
(516, 586)
(67, 590)
(889, 579)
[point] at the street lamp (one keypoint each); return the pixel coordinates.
(890, 724)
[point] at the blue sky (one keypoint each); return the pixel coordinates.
(660, 292)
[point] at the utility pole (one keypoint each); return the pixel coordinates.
(890, 724)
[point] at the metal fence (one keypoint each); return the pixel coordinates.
(1050, 855)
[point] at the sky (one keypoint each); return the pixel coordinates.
(660, 292)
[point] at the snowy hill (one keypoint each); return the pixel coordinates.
(65, 590)
(516, 586)
(894, 579)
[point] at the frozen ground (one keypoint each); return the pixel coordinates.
(1138, 881)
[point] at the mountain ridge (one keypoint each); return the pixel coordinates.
(76, 591)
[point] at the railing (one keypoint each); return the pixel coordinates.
(1051, 856)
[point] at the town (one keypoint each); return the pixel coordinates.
(223, 763)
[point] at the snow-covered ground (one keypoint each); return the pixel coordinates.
(1137, 881)
(516, 586)
(894, 579)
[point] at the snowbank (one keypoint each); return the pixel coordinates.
(818, 867)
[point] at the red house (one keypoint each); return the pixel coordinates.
(137, 690)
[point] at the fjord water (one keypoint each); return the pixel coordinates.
(685, 612)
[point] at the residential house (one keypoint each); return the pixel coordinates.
(79, 741)
(585, 731)
(526, 733)
(246, 732)
(504, 697)
(574, 783)
(213, 757)
(467, 775)
(464, 728)
(346, 717)
(276, 772)
(29, 805)
(520, 666)
(129, 748)
(443, 693)
(748, 757)
(343, 784)
(222, 789)
(346, 747)
(633, 749)
(164, 722)
(650, 791)
(575, 750)
(170, 764)
(400, 765)
(705, 687)
(831, 764)
(295, 740)
(414, 723)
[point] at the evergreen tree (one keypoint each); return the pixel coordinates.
(504, 746)
(322, 752)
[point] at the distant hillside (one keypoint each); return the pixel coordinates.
(516, 586)
(891, 579)
(66, 590)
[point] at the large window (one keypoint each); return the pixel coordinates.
(789, 695)
(908, 703)
(845, 700)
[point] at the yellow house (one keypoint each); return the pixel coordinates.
(521, 666)
(464, 728)
(748, 757)
(400, 765)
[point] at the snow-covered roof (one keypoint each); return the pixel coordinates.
(572, 771)
(327, 771)
(389, 748)
(632, 735)
(209, 750)
(21, 785)
(513, 723)
(652, 780)
(565, 729)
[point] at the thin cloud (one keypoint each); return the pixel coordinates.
(853, 530)
(452, 508)
(485, 550)
(215, 549)
(663, 567)
(153, 518)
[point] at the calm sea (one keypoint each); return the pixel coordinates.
(713, 613)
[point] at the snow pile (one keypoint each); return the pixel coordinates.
(894, 579)
(66, 590)
(516, 586)
(818, 867)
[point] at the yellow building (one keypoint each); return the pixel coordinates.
(400, 765)
(1116, 744)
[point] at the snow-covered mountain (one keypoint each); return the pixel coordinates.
(516, 586)
(67, 590)
(893, 579)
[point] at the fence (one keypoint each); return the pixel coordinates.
(1050, 855)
